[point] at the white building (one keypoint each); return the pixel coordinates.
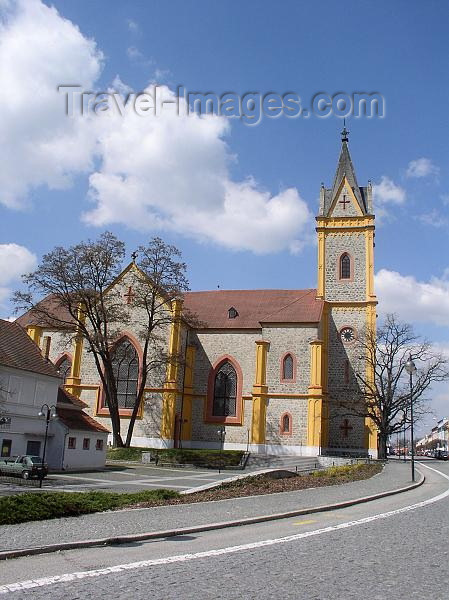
(29, 383)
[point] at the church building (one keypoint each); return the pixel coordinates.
(264, 370)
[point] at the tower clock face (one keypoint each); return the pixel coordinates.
(347, 335)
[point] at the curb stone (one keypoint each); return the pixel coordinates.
(127, 539)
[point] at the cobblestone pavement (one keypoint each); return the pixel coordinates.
(394, 476)
(380, 550)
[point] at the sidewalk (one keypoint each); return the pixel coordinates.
(167, 520)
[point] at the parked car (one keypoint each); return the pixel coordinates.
(442, 454)
(24, 466)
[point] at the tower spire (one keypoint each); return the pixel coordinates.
(344, 132)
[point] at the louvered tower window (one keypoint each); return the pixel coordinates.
(287, 367)
(225, 391)
(285, 423)
(125, 364)
(345, 266)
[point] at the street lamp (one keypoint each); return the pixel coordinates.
(221, 435)
(49, 412)
(411, 368)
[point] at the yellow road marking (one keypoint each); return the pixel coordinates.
(304, 522)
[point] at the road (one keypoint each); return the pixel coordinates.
(393, 548)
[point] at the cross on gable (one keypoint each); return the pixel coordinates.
(344, 202)
(346, 427)
(129, 295)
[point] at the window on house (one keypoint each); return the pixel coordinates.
(99, 445)
(64, 367)
(125, 364)
(232, 313)
(72, 443)
(225, 391)
(287, 367)
(6, 448)
(345, 266)
(33, 447)
(86, 444)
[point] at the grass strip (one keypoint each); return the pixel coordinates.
(206, 458)
(21, 508)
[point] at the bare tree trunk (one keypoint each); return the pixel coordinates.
(382, 446)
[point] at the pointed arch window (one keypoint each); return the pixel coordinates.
(224, 392)
(345, 266)
(285, 424)
(125, 365)
(64, 366)
(288, 368)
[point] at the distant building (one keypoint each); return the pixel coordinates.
(27, 382)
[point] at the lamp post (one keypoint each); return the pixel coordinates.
(221, 435)
(411, 368)
(49, 412)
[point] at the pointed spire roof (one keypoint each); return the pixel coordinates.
(345, 168)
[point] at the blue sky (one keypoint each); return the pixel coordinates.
(57, 173)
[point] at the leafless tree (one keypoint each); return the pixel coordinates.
(80, 298)
(384, 383)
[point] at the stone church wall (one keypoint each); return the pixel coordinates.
(339, 353)
(294, 339)
(297, 408)
(335, 246)
(211, 345)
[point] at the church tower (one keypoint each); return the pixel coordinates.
(345, 228)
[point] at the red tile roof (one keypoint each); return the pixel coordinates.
(17, 350)
(211, 308)
(77, 419)
(49, 305)
(254, 307)
(65, 397)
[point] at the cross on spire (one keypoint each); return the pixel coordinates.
(129, 295)
(346, 427)
(345, 132)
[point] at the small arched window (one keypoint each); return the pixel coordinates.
(288, 371)
(64, 366)
(225, 391)
(125, 364)
(345, 266)
(286, 424)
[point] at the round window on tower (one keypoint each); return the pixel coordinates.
(347, 335)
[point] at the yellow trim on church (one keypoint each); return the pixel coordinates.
(187, 397)
(74, 381)
(260, 389)
(170, 385)
(35, 333)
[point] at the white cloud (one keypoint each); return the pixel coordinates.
(156, 173)
(39, 50)
(385, 194)
(433, 218)
(171, 172)
(421, 167)
(424, 302)
(15, 261)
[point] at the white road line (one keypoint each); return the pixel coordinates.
(68, 577)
